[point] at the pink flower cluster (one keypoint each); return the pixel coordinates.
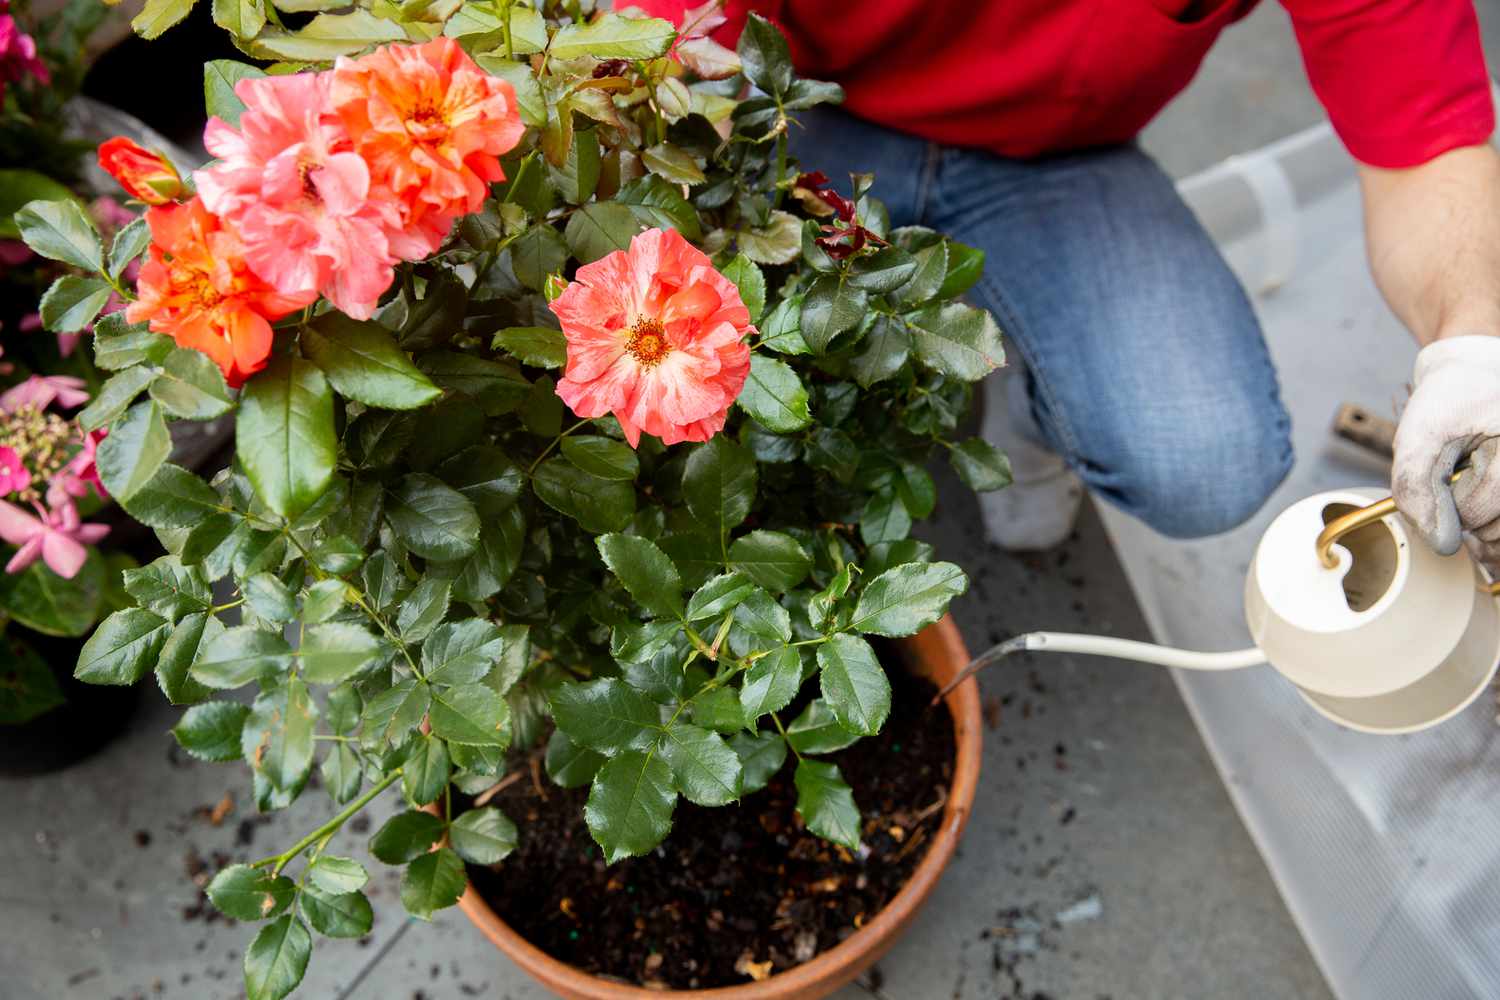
(18, 58)
(333, 177)
(46, 465)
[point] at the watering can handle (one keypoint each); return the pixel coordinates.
(1356, 519)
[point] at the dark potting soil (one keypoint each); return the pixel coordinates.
(735, 893)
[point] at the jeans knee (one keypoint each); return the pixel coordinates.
(1207, 479)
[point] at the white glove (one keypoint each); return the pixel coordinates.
(1454, 411)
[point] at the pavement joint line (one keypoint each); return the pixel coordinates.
(375, 959)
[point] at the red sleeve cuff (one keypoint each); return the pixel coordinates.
(1470, 122)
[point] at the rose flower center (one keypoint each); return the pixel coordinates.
(648, 343)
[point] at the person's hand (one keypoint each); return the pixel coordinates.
(1454, 411)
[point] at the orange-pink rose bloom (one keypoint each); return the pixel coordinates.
(432, 126)
(196, 288)
(655, 336)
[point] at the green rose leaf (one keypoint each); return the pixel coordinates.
(287, 741)
(540, 251)
(885, 270)
(173, 498)
(965, 265)
(751, 283)
(771, 682)
(240, 655)
(341, 773)
(462, 652)
(606, 715)
(134, 450)
(59, 230)
(333, 651)
(114, 396)
(957, 340)
(156, 17)
(885, 519)
(817, 731)
(337, 875)
(704, 769)
(191, 386)
(906, 599)
(211, 731)
(471, 714)
(611, 36)
(425, 771)
(600, 505)
(483, 836)
(284, 435)
(772, 559)
(571, 765)
(601, 456)
(981, 465)
(123, 648)
(540, 346)
(405, 836)
(629, 809)
(363, 362)
(883, 352)
(719, 484)
(423, 608)
(775, 396)
(599, 229)
(396, 711)
(761, 756)
(219, 78)
(337, 915)
(672, 164)
(434, 520)
(188, 639)
(826, 804)
(764, 56)
(854, 684)
(72, 303)
(268, 597)
(831, 307)
(433, 882)
(45, 602)
(246, 893)
(645, 571)
(718, 596)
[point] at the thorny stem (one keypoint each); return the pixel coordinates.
(328, 829)
(780, 168)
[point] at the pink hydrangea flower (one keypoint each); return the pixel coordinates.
(297, 196)
(81, 472)
(14, 476)
(42, 390)
(18, 58)
(56, 536)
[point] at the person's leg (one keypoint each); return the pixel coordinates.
(1146, 366)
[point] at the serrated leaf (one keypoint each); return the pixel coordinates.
(72, 302)
(605, 715)
(59, 230)
(337, 915)
(483, 836)
(246, 893)
(571, 765)
(718, 596)
(269, 598)
(341, 773)
(817, 731)
(775, 396)
(396, 711)
(219, 78)
(155, 17)
(830, 308)
(434, 520)
(471, 714)
(115, 396)
(629, 809)
(611, 36)
(240, 655)
(433, 882)
(461, 652)
(188, 639)
(540, 346)
(211, 731)
(599, 505)
(719, 483)
(405, 836)
(363, 362)
(123, 648)
(645, 571)
(277, 959)
(135, 449)
(424, 772)
(337, 875)
(906, 599)
(826, 803)
(174, 498)
(771, 682)
(981, 465)
(704, 769)
(772, 559)
(761, 756)
(601, 456)
(854, 684)
(333, 651)
(957, 340)
(284, 435)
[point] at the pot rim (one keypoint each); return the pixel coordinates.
(936, 645)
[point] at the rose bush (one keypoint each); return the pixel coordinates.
(571, 416)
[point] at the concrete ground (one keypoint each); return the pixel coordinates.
(1104, 858)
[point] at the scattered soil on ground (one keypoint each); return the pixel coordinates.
(736, 893)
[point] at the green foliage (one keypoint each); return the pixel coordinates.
(434, 564)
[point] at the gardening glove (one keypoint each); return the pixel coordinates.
(1454, 412)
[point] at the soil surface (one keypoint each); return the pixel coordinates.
(736, 893)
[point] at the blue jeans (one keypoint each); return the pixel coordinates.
(1145, 364)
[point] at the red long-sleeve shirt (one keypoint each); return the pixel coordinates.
(1402, 80)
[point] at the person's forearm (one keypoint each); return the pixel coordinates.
(1434, 241)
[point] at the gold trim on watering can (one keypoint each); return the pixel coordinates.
(1356, 519)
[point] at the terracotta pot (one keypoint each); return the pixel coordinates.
(938, 653)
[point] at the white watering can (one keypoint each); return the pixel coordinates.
(1375, 630)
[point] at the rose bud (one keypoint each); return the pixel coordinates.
(144, 174)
